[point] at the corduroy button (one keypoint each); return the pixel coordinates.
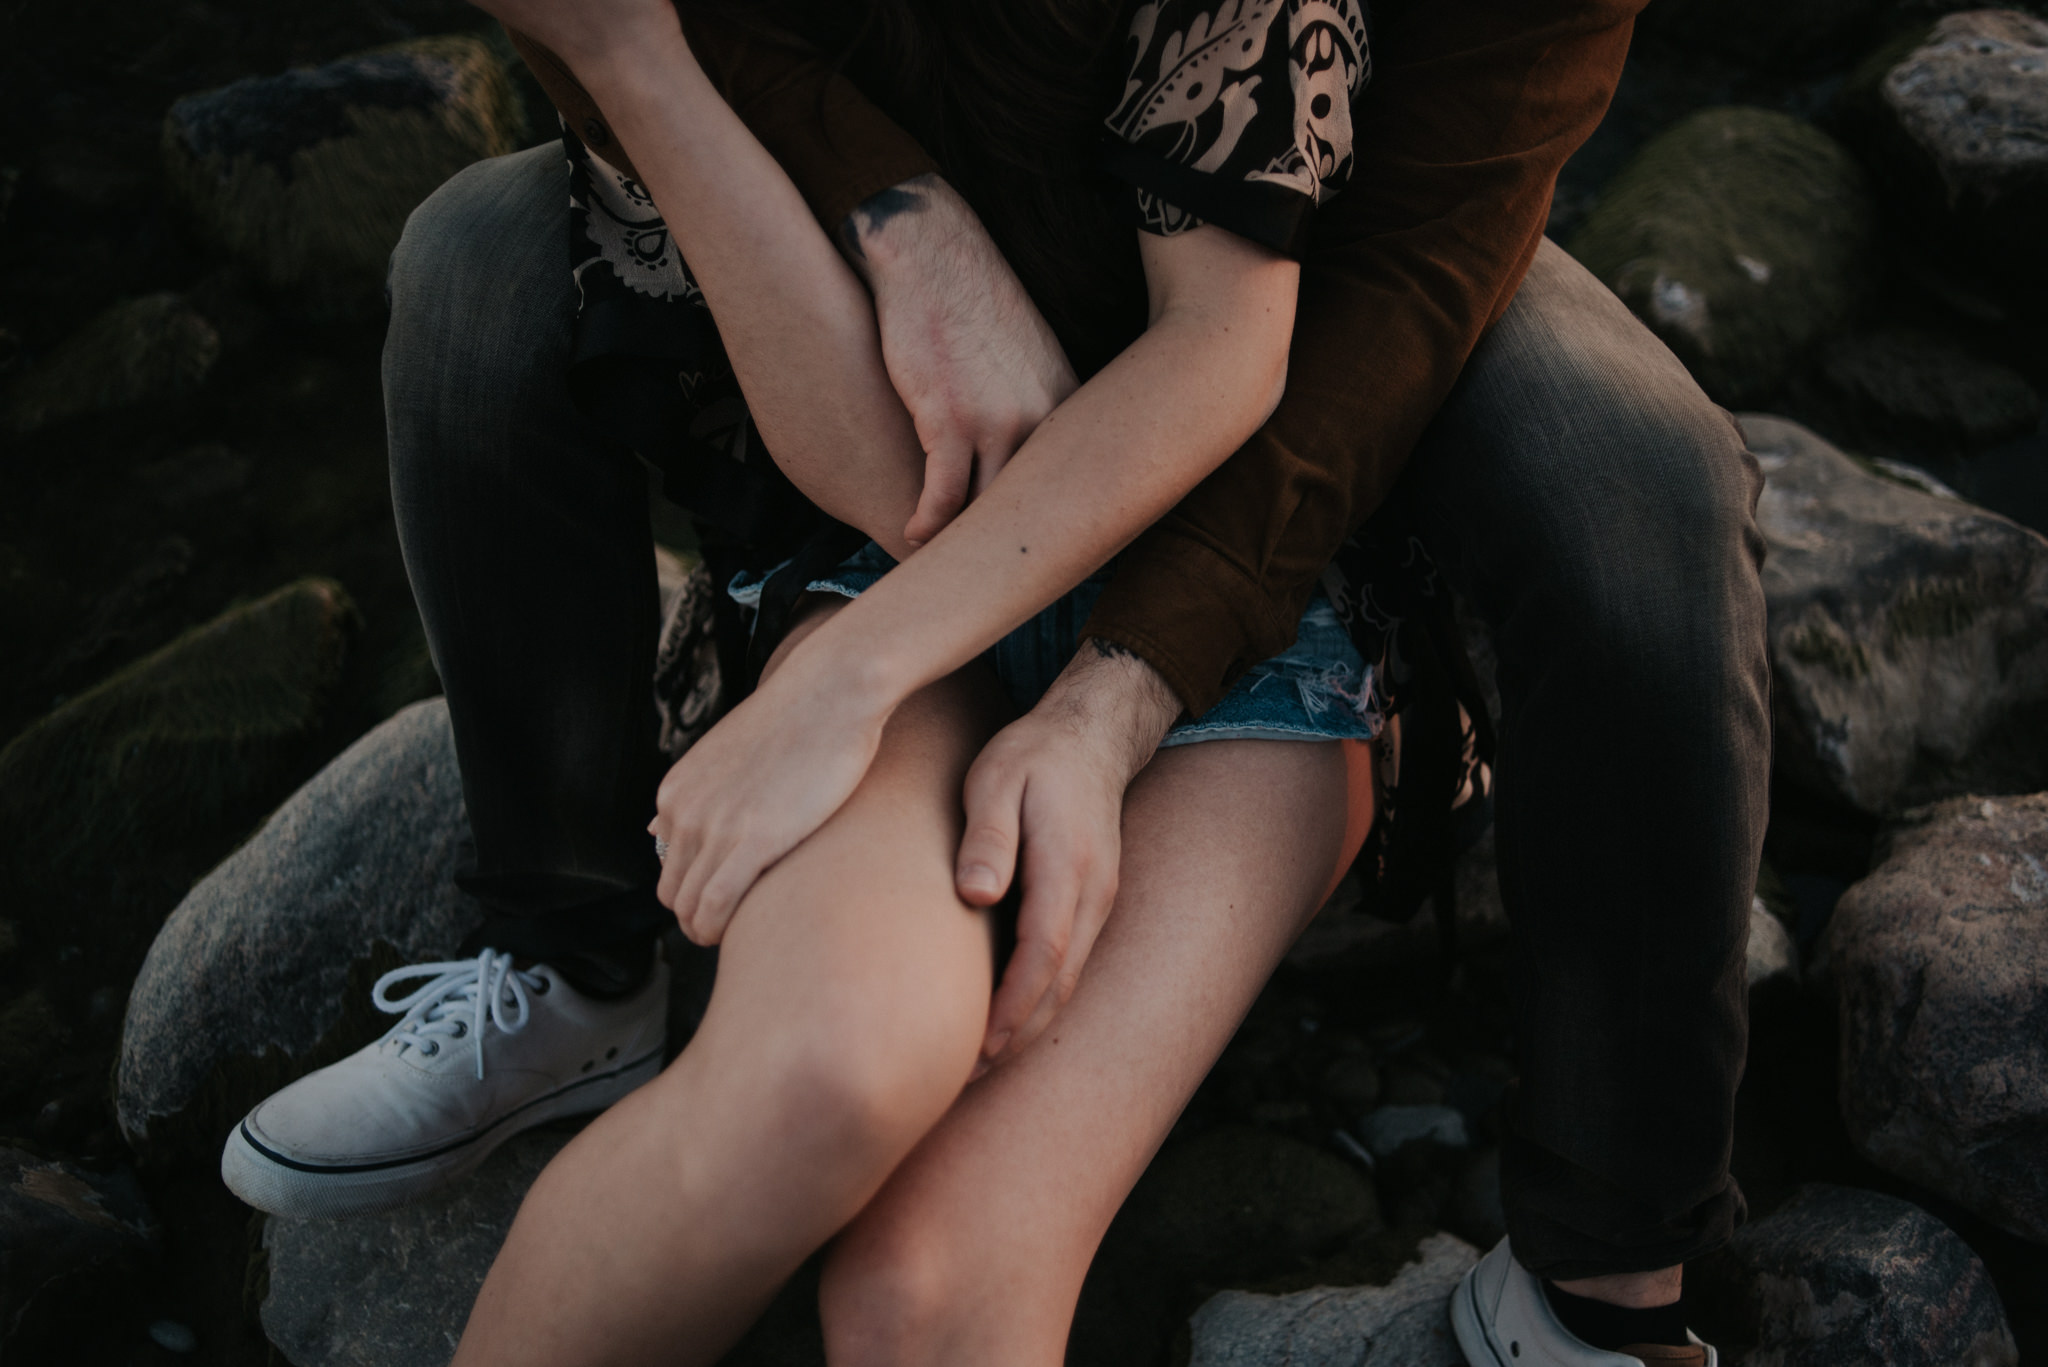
(595, 134)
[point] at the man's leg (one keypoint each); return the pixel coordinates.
(526, 538)
(977, 1248)
(527, 541)
(1597, 509)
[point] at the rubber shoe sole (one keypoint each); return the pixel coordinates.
(283, 1186)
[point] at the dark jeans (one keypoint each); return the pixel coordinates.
(1577, 486)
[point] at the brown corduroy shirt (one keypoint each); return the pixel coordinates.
(1473, 107)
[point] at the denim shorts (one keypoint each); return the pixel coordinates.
(1317, 689)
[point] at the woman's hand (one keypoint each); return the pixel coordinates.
(772, 771)
(966, 349)
(1053, 783)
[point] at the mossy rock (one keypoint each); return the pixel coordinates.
(139, 351)
(308, 177)
(1742, 237)
(180, 751)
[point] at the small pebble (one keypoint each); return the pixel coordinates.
(173, 1336)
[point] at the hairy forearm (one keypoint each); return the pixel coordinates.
(796, 322)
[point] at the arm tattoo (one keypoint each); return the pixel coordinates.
(874, 212)
(1114, 650)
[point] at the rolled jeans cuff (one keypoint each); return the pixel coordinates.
(1565, 1222)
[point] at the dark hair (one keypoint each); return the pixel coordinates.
(1009, 96)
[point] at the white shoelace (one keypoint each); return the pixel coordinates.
(464, 994)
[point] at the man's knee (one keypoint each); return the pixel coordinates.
(479, 281)
(1577, 466)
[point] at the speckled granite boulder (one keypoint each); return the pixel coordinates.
(307, 177)
(139, 351)
(263, 972)
(1741, 237)
(1909, 633)
(1837, 1277)
(1939, 966)
(394, 1290)
(1956, 131)
(1405, 1323)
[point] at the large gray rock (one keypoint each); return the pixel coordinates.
(1957, 129)
(394, 1290)
(1909, 633)
(138, 351)
(263, 972)
(65, 1233)
(1939, 965)
(1405, 1323)
(1741, 237)
(1842, 1278)
(177, 755)
(1772, 958)
(308, 177)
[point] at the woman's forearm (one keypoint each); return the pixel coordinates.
(796, 322)
(1110, 461)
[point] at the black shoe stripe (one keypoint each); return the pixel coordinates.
(339, 1168)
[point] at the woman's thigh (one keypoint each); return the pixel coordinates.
(851, 998)
(1228, 848)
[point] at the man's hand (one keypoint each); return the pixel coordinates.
(965, 347)
(1053, 783)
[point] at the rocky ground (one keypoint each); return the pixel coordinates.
(1833, 212)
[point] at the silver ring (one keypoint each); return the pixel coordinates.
(660, 848)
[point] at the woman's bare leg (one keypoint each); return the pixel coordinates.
(852, 992)
(976, 1249)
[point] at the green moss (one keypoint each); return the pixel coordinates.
(186, 746)
(321, 226)
(1740, 236)
(138, 351)
(1825, 645)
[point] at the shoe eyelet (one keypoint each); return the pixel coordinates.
(461, 1029)
(540, 989)
(1514, 1350)
(430, 1049)
(611, 1053)
(589, 1064)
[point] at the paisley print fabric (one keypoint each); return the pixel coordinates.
(1238, 113)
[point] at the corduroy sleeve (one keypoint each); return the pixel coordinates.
(837, 146)
(1473, 108)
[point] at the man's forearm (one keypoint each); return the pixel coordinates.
(1115, 700)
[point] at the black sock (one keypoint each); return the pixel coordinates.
(610, 973)
(1613, 1327)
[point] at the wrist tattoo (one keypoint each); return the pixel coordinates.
(872, 214)
(1113, 650)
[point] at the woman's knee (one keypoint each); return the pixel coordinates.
(890, 1296)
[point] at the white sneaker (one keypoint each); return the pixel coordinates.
(483, 1051)
(1503, 1319)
